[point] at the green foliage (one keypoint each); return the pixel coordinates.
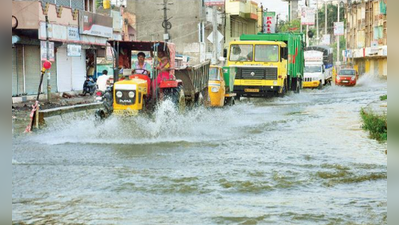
(342, 46)
(377, 125)
(332, 16)
(384, 97)
(289, 27)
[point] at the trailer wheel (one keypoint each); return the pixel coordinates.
(180, 99)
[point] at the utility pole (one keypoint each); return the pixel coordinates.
(325, 18)
(289, 10)
(48, 59)
(262, 18)
(166, 24)
(215, 32)
(338, 39)
(317, 21)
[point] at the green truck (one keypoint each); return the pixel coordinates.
(267, 64)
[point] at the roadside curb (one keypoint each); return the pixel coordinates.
(377, 107)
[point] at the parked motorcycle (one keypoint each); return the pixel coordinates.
(89, 86)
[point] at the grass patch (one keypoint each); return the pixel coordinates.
(384, 97)
(376, 124)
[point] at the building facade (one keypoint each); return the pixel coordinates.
(186, 24)
(77, 36)
(366, 36)
(241, 18)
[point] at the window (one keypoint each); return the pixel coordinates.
(241, 53)
(266, 53)
(312, 69)
(214, 74)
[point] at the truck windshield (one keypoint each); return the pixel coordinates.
(241, 53)
(312, 69)
(266, 53)
(214, 74)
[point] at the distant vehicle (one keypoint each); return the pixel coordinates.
(220, 87)
(318, 66)
(347, 77)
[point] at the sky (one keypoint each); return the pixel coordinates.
(281, 7)
(277, 6)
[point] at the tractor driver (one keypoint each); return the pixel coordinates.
(141, 67)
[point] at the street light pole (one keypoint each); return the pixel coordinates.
(317, 21)
(338, 38)
(48, 58)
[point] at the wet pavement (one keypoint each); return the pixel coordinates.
(301, 159)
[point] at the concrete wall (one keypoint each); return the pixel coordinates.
(186, 17)
(29, 15)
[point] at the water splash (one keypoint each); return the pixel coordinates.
(165, 125)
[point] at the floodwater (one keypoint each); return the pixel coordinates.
(301, 159)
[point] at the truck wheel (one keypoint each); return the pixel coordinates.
(297, 87)
(320, 87)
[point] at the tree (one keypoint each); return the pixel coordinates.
(332, 17)
(294, 26)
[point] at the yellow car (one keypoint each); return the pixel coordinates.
(216, 87)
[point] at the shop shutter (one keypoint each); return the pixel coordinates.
(32, 69)
(14, 72)
(78, 71)
(64, 70)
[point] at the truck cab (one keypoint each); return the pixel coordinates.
(260, 67)
(318, 67)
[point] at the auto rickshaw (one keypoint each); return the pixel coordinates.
(217, 89)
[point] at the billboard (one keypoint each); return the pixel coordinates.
(269, 22)
(338, 28)
(96, 25)
(44, 51)
(214, 2)
(308, 16)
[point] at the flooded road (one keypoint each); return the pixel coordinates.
(301, 159)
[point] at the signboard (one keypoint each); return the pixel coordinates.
(74, 50)
(96, 25)
(59, 32)
(108, 54)
(308, 16)
(73, 34)
(313, 56)
(326, 39)
(43, 51)
(269, 19)
(117, 21)
(219, 37)
(374, 47)
(338, 28)
(214, 2)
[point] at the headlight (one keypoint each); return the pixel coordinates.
(353, 78)
(274, 82)
(131, 94)
(119, 94)
(215, 89)
(338, 78)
